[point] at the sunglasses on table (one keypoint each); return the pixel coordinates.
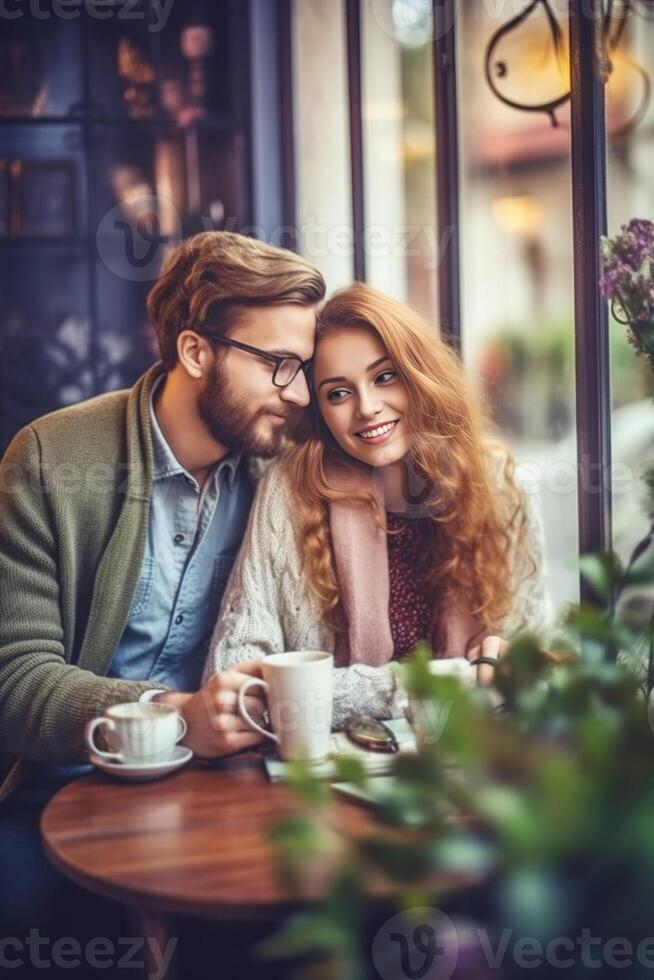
(286, 366)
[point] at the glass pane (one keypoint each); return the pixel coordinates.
(630, 123)
(166, 185)
(39, 63)
(398, 117)
(201, 63)
(171, 61)
(123, 72)
(46, 357)
(42, 181)
(320, 104)
(139, 199)
(517, 262)
(126, 343)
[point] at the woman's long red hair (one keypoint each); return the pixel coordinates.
(477, 509)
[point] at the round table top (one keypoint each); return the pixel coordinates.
(193, 843)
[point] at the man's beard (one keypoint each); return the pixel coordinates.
(228, 419)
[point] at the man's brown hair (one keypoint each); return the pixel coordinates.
(211, 278)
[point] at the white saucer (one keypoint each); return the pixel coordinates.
(151, 770)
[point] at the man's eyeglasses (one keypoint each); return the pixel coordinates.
(287, 366)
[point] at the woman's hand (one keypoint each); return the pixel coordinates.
(493, 647)
(214, 725)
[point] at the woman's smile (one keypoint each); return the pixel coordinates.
(375, 434)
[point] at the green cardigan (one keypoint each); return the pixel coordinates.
(75, 491)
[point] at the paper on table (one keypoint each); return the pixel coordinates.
(375, 763)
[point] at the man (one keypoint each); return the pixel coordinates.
(120, 517)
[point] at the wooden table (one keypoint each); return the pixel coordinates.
(192, 844)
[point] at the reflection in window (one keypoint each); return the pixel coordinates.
(320, 103)
(398, 119)
(45, 335)
(517, 262)
(39, 66)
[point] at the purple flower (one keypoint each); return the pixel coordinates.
(627, 280)
(628, 269)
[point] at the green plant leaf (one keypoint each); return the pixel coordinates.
(350, 770)
(402, 861)
(307, 784)
(313, 932)
(601, 571)
(297, 836)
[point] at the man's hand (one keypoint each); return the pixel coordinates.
(214, 726)
(492, 647)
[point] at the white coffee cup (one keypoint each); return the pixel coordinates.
(299, 692)
(138, 734)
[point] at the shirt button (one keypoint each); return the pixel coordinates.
(179, 539)
(179, 619)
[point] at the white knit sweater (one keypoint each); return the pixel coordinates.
(268, 606)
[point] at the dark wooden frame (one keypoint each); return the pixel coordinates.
(447, 169)
(591, 314)
(353, 31)
(287, 122)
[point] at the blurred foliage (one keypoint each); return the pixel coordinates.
(518, 364)
(545, 803)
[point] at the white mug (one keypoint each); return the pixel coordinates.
(299, 691)
(137, 733)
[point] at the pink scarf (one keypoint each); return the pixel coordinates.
(361, 555)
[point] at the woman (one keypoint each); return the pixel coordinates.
(392, 522)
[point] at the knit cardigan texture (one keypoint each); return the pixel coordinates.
(75, 491)
(268, 606)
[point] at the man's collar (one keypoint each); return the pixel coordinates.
(166, 463)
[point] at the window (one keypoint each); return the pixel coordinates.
(324, 202)
(104, 123)
(517, 203)
(399, 153)
(630, 126)
(517, 266)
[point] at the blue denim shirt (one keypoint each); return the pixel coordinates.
(193, 539)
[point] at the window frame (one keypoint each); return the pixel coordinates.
(589, 210)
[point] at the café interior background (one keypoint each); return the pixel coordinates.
(179, 114)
